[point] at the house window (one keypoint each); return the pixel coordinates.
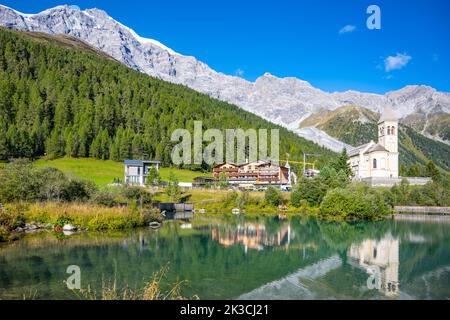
(374, 163)
(139, 171)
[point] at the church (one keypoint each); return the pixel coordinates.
(378, 159)
(377, 162)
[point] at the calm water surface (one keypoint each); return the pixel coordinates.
(238, 258)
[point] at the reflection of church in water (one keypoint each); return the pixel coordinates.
(379, 254)
(252, 236)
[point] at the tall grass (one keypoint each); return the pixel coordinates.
(152, 290)
(88, 216)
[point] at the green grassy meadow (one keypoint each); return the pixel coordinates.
(103, 172)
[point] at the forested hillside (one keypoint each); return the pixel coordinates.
(60, 99)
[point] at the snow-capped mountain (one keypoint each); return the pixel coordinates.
(285, 101)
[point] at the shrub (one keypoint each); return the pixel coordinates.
(104, 198)
(242, 199)
(12, 217)
(62, 221)
(151, 215)
(4, 234)
(311, 190)
(273, 196)
(354, 203)
(18, 182)
(230, 198)
(79, 190)
(137, 194)
(23, 182)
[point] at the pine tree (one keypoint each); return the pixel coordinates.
(55, 144)
(341, 164)
(414, 170)
(105, 144)
(173, 189)
(153, 178)
(95, 148)
(4, 151)
(432, 171)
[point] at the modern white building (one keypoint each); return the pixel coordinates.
(379, 160)
(136, 171)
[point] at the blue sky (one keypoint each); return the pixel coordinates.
(297, 38)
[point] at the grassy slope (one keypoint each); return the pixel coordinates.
(103, 172)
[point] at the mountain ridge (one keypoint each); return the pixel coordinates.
(283, 101)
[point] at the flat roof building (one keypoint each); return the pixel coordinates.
(136, 171)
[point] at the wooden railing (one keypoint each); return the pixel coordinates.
(411, 209)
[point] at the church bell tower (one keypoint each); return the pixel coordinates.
(388, 130)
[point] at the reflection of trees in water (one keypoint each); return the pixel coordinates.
(341, 235)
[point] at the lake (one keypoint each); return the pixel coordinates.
(239, 258)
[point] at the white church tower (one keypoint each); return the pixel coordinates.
(388, 138)
(377, 163)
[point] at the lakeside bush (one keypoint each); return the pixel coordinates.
(356, 202)
(311, 191)
(273, 196)
(11, 218)
(436, 193)
(21, 181)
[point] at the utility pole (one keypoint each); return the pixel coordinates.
(304, 160)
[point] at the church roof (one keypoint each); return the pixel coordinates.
(388, 114)
(376, 147)
(373, 148)
(357, 150)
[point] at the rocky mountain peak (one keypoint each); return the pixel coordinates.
(285, 101)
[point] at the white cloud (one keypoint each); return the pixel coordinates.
(347, 29)
(396, 62)
(239, 72)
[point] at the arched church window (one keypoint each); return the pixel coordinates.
(393, 130)
(374, 163)
(389, 130)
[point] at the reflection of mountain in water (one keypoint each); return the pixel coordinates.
(252, 236)
(381, 258)
(291, 286)
(316, 281)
